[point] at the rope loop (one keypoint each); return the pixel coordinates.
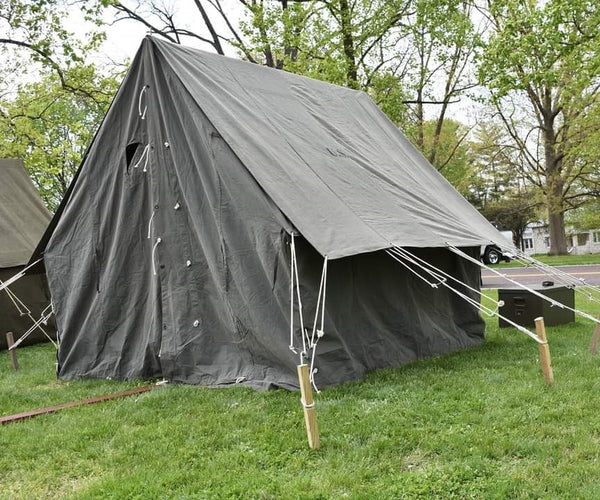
(142, 113)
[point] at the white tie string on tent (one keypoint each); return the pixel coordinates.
(440, 277)
(520, 285)
(142, 112)
(149, 235)
(309, 343)
(143, 157)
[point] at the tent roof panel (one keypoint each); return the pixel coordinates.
(343, 174)
(23, 215)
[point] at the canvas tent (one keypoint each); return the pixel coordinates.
(171, 255)
(23, 220)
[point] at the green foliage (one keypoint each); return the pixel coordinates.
(586, 217)
(542, 67)
(480, 423)
(335, 41)
(36, 32)
(50, 128)
(512, 213)
(452, 154)
(496, 174)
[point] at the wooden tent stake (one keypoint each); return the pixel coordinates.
(595, 338)
(540, 329)
(10, 341)
(310, 417)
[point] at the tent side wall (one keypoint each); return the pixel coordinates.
(379, 314)
(32, 290)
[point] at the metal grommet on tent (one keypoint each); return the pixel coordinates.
(196, 323)
(177, 206)
(167, 145)
(188, 263)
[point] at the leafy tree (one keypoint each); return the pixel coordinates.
(452, 158)
(586, 217)
(512, 213)
(34, 37)
(542, 67)
(444, 42)
(50, 128)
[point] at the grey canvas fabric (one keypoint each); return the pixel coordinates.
(170, 255)
(23, 215)
(32, 290)
(23, 220)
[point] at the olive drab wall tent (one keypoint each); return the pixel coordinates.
(209, 184)
(23, 220)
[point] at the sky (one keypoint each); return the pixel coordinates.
(124, 37)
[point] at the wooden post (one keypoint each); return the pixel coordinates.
(310, 417)
(595, 338)
(544, 351)
(10, 340)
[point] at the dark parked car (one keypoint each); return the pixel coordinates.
(493, 254)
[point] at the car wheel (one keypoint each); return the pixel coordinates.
(492, 256)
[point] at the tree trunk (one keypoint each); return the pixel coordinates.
(348, 43)
(554, 197)
(558, 240)
(555, 184)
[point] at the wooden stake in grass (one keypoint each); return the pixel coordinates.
(310, 417)
(544, 351)
(10, 341)
(595, 338)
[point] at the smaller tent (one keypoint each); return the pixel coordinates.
(23, 220)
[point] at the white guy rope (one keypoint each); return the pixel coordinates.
(321, 331)
(36, 324)
(439, 279)
(295, 282)
(410, 256)
(520, 285)
(435, 272)
(18, 276)
(17, 302)
(578, 284)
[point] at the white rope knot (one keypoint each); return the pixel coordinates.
(320, 333)
(312, 405)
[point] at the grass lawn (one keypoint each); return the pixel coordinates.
(559, 260)
(478, 424)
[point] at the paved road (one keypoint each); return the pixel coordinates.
(531, 276)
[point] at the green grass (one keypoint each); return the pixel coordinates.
(559, 260)
(479, 423)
